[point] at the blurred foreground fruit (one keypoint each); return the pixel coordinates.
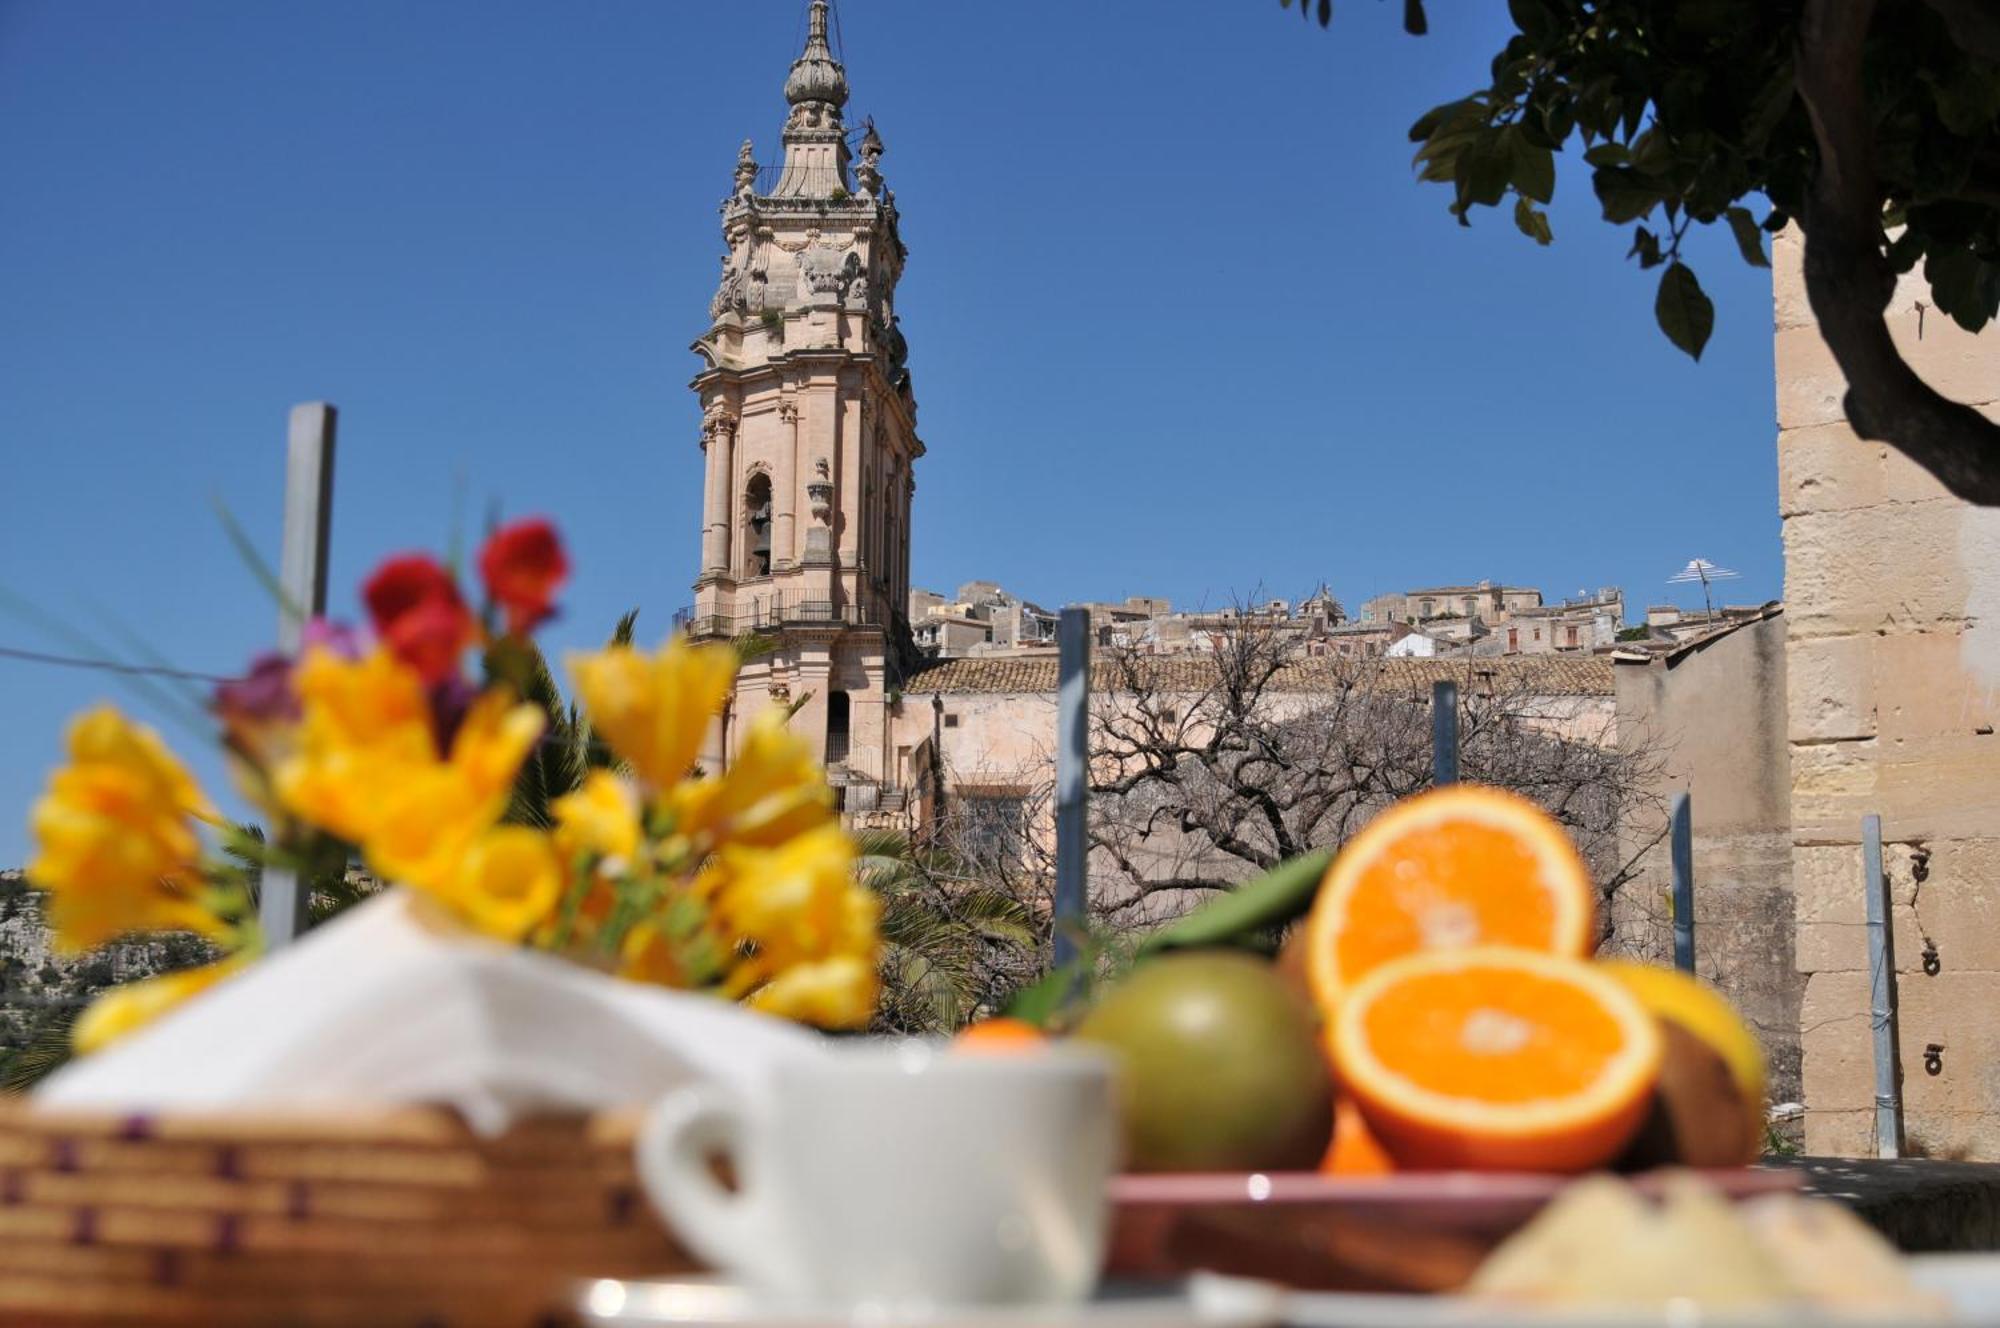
(1222, 1070)
(1500, 1059)
(1354, 1150)
(1708, 1110)
(999, 1037)
(1459, 866)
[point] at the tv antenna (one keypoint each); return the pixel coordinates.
(1704, 571)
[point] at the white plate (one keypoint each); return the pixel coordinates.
(1968, 1283)
(713, 1303)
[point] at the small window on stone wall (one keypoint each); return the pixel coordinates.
(838, 727)
(757, 526)
(951, 721)
(990, 827)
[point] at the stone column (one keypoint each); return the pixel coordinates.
(718, 442)
(813, 673)
(785, 488)
(850, 497)
(868, 711)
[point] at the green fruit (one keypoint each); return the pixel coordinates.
(1222, 1068)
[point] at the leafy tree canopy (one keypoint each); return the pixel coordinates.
(1873, 125)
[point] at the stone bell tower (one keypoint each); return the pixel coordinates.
(809, 435)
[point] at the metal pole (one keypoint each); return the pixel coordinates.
(1681, 825)
(281, 907)
(1072, 779)
(1444, 733)
(308, 519)
(1882, 993)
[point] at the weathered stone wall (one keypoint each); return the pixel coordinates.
(1892, 594)
(1716, 709)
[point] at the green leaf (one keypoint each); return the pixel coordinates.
(1683, 309)
(1645, 247)
(1748, 238)
(1535, 20)
(246, 549)
(1042, 1002)
(1964, 285)
(1769, 108)
(1271, 900)
(1625, 194)
(1530, 169)
(1534, 222)
(1482, 172)
(1438, 116)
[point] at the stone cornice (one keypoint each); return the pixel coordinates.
(749, 376)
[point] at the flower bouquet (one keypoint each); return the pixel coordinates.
(381, 747)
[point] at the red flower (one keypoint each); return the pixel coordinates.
(523, 564)
(415, 607)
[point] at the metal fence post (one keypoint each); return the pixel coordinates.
(1444, 733)
(1882, 993)
(1681, 826)
(281, 907)
(1072, 779)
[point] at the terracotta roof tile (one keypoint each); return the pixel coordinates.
(1546, 675)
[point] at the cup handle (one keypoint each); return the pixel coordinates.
(731, 1231)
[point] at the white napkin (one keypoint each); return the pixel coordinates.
(388, 1004)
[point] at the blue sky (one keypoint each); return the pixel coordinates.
(1182, 323)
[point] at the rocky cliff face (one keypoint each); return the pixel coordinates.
(42, 990)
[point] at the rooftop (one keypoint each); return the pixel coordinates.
(1546, 675)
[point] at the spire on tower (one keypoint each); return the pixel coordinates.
(815, 139)
(816, 75)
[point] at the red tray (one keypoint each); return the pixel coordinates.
(1423, 1231)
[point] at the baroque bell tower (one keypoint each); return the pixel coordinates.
(809, 435)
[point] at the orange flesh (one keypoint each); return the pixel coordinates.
(1461, 883)
(1493, 1036)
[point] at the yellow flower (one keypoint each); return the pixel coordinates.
(365, 724)
(422, 822)
(791, 901)
(368, 770)
(654, 710)
(772, 792)
(601, 818)
(829, 993)
(135, 1004)
(507, 880)
(115, 839)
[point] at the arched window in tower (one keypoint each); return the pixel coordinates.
(757, 526)
(839, 724)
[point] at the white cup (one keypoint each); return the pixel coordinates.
(897, 1176)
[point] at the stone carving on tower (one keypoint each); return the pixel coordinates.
(809, 435)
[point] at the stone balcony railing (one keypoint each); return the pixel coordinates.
(772, 614)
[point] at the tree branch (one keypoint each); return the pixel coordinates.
(1849, 281)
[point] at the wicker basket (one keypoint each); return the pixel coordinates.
(381, 1218)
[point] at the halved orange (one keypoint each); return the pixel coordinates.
(1002, 1035)
(1458, 866)
(1496, 1059)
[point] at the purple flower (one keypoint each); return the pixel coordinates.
(337, 637)
(262, 696)
(451, 698)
